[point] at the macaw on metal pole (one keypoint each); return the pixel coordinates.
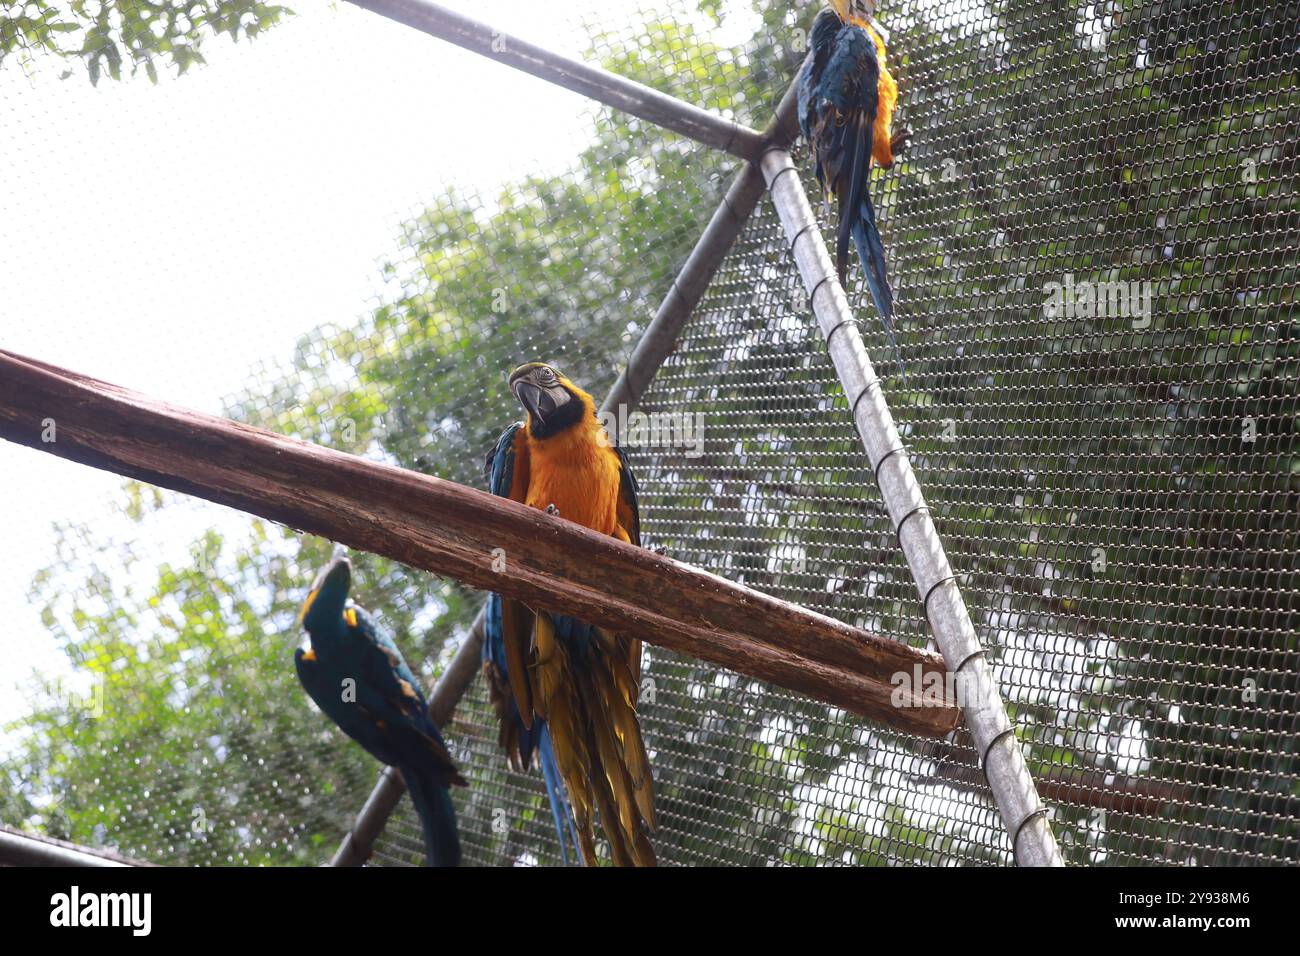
(846, 110)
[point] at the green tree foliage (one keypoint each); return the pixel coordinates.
(113, 36)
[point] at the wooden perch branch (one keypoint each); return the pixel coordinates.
(452, 530)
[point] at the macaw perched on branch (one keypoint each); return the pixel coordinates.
(846, 111)
(562, 688)
(357, 676)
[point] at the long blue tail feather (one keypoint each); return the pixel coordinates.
(555, 793)
(437, 814)
(866, 237)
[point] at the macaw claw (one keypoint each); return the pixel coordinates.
(552, 510)
(898, 142)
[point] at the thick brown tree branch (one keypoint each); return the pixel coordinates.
(478, 539)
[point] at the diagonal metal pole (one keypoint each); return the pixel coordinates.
(591, 81)
(1023, 814)
(695, 276)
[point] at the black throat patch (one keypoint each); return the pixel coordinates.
(566, 416)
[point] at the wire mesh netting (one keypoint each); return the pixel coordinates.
(1093, 238)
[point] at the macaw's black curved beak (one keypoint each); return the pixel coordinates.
(540, 402)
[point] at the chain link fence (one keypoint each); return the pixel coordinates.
(1093, 238)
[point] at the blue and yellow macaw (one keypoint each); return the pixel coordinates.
(565, 689)
(358, 678)
(846, 112)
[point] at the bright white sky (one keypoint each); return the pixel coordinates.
(171, 237)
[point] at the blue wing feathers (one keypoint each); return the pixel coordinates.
(820, 43)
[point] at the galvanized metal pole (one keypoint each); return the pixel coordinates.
(591, 81)
(1013, 788)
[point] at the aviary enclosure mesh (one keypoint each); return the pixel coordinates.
(1094, 239)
